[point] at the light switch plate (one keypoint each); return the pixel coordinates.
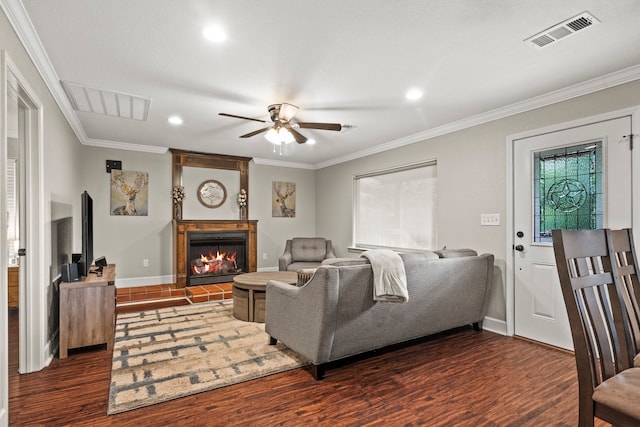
(489, 219)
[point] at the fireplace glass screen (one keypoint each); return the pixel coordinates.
(216, 256)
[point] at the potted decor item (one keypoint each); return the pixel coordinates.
(242, 202)
(178, 197)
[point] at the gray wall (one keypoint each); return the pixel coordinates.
(471, 179)
(274, 231)
(128, 240)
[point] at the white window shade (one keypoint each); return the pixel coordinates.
(12, 212)
(396, 208)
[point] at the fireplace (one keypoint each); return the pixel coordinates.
(202, 243)
(216, 256)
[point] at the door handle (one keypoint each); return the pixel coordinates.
(519, 248)
(22, 252)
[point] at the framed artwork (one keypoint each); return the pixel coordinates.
(283, 199)
(129, 193)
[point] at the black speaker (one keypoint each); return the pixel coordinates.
(70, 272)
(100, 262)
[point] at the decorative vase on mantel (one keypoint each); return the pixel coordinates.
(243, 213)
(177, 211)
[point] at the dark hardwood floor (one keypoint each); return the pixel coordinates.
(461, 378)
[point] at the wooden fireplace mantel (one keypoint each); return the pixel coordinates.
(182, 227)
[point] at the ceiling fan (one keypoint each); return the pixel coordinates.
(283, 129)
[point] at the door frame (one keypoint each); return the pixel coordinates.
(634, 112)
(35, 351)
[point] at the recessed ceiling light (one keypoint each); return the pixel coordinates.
(311, 141)
(413, 94)
(175, 120)
(214, 34)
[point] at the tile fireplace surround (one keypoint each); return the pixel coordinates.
(180, 239)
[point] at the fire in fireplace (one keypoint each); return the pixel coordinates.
(216, 256)
(214, 264)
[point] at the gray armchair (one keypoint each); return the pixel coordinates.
(305, 252)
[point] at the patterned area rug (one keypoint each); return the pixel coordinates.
(173, 352)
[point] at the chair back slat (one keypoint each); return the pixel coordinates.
(600, 320)
(625, 258)
(588, 281)
(591, 280)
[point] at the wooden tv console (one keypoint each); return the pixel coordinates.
(87, 311)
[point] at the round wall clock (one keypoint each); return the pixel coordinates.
(212, 193)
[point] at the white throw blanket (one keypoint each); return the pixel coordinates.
(389, 277)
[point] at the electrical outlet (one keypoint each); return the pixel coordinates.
(264, 256)
(489, 219)
(145, 262)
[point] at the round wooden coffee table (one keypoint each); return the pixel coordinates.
(249, 291)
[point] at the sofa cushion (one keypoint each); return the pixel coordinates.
(454, 253)
(309, 249)
(417, 256)
(340, 262)
(295, 266)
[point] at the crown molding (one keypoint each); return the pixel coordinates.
(22, 25)
(599, 83)
(282, 164)
(103, 143)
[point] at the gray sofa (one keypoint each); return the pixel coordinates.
(305, 252)
(333, 315)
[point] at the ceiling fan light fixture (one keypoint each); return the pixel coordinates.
(272, 136)
(279, 135)
(285, 136)
(284, 130)
(287, 111)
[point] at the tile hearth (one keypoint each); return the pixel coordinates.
(142, 297)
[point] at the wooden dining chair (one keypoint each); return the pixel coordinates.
(626, 263)
(608, 387)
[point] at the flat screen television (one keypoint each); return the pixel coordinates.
(87, 235)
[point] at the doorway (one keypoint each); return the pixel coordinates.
(21, 122)
(576, 175)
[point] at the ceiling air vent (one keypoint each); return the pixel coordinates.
(562, 30)
(116, 104)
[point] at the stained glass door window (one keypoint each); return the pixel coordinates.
(567, 189)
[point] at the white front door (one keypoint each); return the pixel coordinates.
(578, 178)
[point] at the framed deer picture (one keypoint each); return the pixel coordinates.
(283, 199)
(129, 193)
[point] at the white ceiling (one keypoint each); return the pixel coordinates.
(344, 61)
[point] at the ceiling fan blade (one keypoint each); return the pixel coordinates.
(255, 132)
(300, 138)
(323, 126)
(242, 117)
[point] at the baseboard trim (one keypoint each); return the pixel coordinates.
(135, 282)
(51, 348)
(152, 301)
(494, 325)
